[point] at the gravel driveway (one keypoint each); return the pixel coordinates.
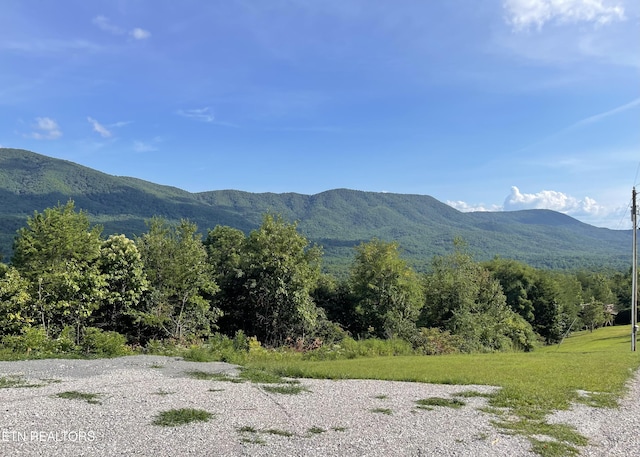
(332, 418)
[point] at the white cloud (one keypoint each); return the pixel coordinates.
(99, 128)
(198, 114)
(554, 200)
(120, 124)
(467, 208)
(104, 24)
(140, 34)
(586, 209)
(36, 46)
(46, 129)
(141, 146)
(523, 14)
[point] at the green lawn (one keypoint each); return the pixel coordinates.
(533, 384)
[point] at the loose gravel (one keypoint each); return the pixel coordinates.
(330, 418)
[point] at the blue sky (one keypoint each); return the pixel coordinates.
(482, 104)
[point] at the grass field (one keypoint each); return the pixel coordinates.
(533, 384)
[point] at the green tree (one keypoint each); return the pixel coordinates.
(387, 290)
(225, 248)
(15, 312)
(121, 266)
(464, 298)
(57, 253)
(339, 303)
(516, 280)
(621, 286)
(279, 270)
(596, 285)
(593, 314)
(544, 294)
(180, 279)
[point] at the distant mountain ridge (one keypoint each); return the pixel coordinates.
(336, 219)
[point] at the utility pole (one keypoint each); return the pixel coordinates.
(634, 273)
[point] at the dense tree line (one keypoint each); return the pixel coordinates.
(66, 279)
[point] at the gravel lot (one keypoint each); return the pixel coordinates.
(133, 390)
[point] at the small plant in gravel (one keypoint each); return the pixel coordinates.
(278, 432)
(247, 429)
(339, 429)
(286, 389)
(208, 376)
(315, 430)
(438, 401)
(75, 395)
(253, 432)
(253, 440)
(381, 397)
(386, 411)
(15, 381)
(175, 417)
(552, 448)
(163, 392)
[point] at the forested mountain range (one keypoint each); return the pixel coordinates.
(336, 219)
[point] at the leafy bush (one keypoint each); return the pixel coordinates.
(162, 347)
(65, 342)
(240, 341)
(101, 343)
(434, 341)
(33, 339)
(222, 348)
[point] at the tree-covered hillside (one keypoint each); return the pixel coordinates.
(337, 219)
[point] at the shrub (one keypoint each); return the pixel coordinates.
(65, 342)
(240, 341)
(98, 342)
(434, 341)
(33, 339)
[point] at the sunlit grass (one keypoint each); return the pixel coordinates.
(533, 384)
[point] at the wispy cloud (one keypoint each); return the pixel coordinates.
(611, 112)
(140, 34)
(523, 14)
(198, 114)
(142, 146)
(581, 123)
(99, 128)
(46, 129)
(120, 124)
(104, 24)
(49, 46)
